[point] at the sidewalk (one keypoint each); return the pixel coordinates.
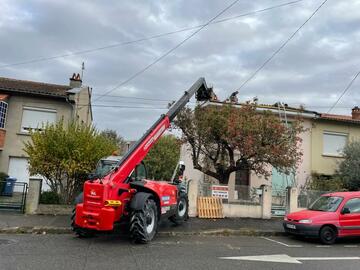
(18, 223)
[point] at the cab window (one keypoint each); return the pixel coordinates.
(139, 173)
(353, 205)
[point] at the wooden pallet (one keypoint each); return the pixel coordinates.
(210, 207)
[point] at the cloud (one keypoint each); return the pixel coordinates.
(312, 69)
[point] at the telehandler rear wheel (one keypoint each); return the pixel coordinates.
(144, 222)
(80, 232)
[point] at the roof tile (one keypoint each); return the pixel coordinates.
(30, 87)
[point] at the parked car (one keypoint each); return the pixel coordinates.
(331, 216)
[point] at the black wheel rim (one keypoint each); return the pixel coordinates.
(328, 235)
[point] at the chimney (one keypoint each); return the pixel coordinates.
(355, 113)
(75, 81)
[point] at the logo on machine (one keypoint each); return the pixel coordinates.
(153, 138)
(92, 192)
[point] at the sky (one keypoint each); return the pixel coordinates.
(312, 70)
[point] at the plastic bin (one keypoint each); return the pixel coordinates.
(9, 186)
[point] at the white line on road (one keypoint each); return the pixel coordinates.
(281, 243)
(322, 246)
(351, 246)
(326, 258)
(284, 258)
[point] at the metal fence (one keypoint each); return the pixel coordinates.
(278, 202)
(307, 197)
(233, 194)
(13, 198)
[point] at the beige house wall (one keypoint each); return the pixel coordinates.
(328, 164)
(14, 138)
(82, 107)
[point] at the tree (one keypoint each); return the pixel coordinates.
(65, 154)
(163, 158)
(115, 138)
(349, 168)
(224, 139)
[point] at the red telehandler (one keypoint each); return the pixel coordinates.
(124, 194)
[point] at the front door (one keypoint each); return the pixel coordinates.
(350, 222)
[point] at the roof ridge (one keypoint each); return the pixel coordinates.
(35, 82)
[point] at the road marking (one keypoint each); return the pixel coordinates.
(231, 247)
(284, 258)
(351, 246)
(281, 243)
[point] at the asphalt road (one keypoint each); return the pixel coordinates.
(189, 252)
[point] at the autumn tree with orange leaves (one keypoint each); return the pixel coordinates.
(224, 139)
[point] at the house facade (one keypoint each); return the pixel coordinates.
(330, 133)
(28, 105)
(324, 138)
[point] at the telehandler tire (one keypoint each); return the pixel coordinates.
(182, 210)
(144, 222)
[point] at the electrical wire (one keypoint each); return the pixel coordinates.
(168, 52)
(345, 90)
(280, 48)
(81, 52)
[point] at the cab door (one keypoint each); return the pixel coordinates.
(350, 217)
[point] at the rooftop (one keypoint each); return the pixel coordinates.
(29, 87)
(288, 109)
(338, 117)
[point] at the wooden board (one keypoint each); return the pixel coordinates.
(210, 207)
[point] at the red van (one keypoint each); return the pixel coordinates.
(331, 216)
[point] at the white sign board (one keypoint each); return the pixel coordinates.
(220, 191)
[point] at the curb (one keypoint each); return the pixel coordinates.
(217, 232)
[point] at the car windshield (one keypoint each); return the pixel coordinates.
(326, 204)
(105, 166)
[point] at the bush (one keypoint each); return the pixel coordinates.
(50, 197)
(3, 177)
(323, 182)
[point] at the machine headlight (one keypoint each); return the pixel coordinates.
(305, 221)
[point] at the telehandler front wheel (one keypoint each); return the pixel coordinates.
(144, 222)
(182, 210)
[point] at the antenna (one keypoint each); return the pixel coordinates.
(82, 71)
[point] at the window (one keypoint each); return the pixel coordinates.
(334, 143)
(35, 118)
(3, 112)
(353, 205)
(140, 172)
(326, 204)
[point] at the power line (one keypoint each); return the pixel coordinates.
(124, 106)
(168, 52)
(81, 52)
(345, 90)
(280, 48)
(151, 99)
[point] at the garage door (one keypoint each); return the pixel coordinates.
(18, 168)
